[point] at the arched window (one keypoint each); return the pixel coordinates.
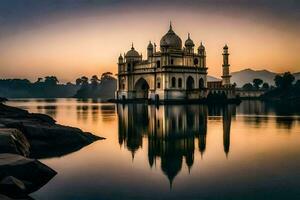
(172, 61)
(196, 61)
(180, 82)
(173, 82)
(201, 83)
(158, 64)
(190, 83)
(128, 67)
(122, 85)
(158, 82)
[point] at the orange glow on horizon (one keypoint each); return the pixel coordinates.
(90, 43)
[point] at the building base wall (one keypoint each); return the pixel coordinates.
(161, 95)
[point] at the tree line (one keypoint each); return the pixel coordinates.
(50, 86)
(287, 90)
(283, 81)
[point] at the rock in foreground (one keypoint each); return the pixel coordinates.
(46, 138)
(13, 141)
(2, 99)
(24, 134)
(20, 176)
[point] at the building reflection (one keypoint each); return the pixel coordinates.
(50, 110)
(171, 131)
(258, 113)
(82, 112)
(133, 124)
(227, 113)
(108, 112)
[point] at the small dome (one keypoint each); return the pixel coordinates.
(225, 47)
(201, 47)
(189, 42)
(150, 45)
(171, 40)
(120, 57)
(132, 53)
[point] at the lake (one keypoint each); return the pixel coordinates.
(248, 151)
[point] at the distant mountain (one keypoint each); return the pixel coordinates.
(247, 76)
(211, 78)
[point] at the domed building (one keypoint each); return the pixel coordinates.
(172, 73)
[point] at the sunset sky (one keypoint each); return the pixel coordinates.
(71, 38)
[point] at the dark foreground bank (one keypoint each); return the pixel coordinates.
(25, 137)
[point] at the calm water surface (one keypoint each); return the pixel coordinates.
(250, 151)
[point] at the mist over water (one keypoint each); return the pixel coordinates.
(249, 151)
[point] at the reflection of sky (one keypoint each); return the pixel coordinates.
(71, 38)
(262, 163)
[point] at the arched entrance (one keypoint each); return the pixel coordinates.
(141, 89)
(190, 83)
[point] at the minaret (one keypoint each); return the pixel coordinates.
(120, 59)
(150, 50)
(120, 63)
(189, 44)
(202, 53)
(226, 76)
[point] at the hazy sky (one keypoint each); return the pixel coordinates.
(71, 38)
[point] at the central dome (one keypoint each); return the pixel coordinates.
(132, 53)
(171, 40)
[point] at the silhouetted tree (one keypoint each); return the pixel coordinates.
(51, 81)
(39, 80)
(84, 81)
(103, 88)
(266, 86)
(78, 81)
(284, 81)
(94, 81)
(48, 87)
(257, 82)
(106, 75)
(248, 86)
(278, 80)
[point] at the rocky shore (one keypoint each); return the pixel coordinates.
(25, 137)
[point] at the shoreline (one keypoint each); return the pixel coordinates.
(26, 137)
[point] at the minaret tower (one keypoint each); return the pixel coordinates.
(202, 53)
(150, 50)
(120, 63)
(189, 45)
(226, 76)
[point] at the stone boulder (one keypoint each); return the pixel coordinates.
(12, 111)
(3, 99)
(11, 185)
(46, 138)
(54, 140)
(13, 141)
(21, 174)
(3, 197)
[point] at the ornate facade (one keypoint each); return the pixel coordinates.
(172, 73)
